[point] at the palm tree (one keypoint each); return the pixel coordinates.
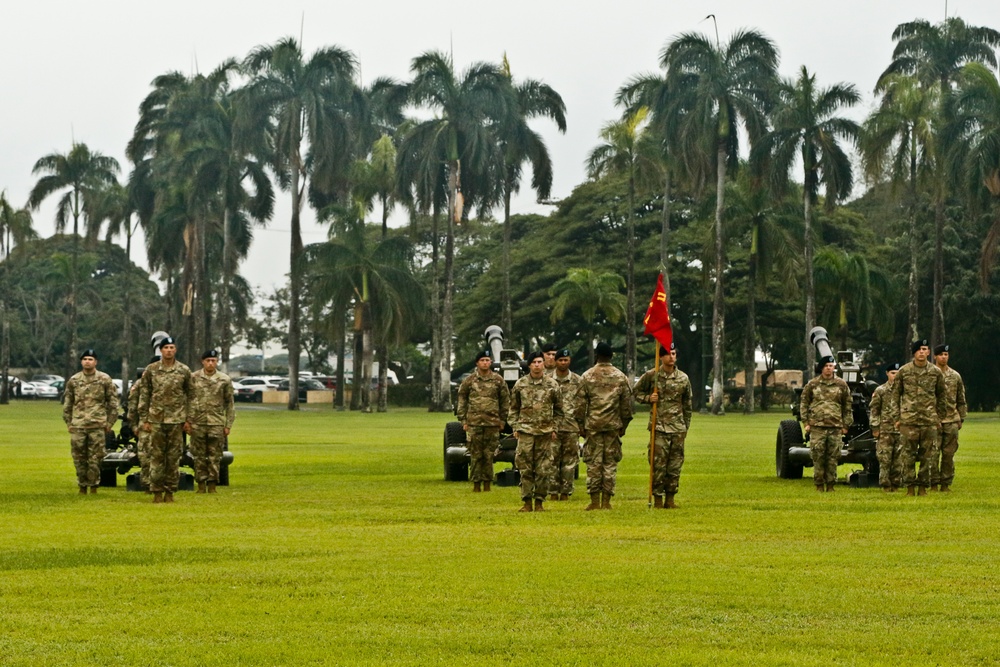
(521, 144)
(935, 54)
(807, 129)
(15, 228)
(850, 285)
(310, 107)
(82, 174)
(897, 141)
(590, 293)
(622, 153)
(719, 87)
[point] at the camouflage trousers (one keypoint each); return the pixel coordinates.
(919, 443)
(565, 457)
(601, 452)
(533, 459)
(166, 445)
(824, 446)
(142, 449)
(889, 451)
(206, 445)
(943, 463)
(482, 441)
(87, 446)
(668, 457)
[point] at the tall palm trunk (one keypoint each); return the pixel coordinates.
(913, 288)
(630, 283)
(937, 319)
(507, 315)
(367, 346)
(719, 302)
(382, 351)
(807, 210)
(227, 332)
(127, 310)
(436, 351)
(200, 311)
(339, 373)
(74, 277)
(749, 336)
(665, 234)
(295, 279)
(448, 296)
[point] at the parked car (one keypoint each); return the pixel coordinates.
(27, 390)
(43, 390)
(252, 389)
(46, 378)
(305, 385)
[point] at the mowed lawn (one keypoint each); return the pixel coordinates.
(339, 543)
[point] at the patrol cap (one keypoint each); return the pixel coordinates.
(892, 367)
(169, 340)
(563, 353)
(484, 353)
(917, 344)
(89, 352)
(941, 349)
(210, 354)
(534, 355)
(550, 347)
(603, 350)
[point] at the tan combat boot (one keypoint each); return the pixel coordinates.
(820, 488)
(93, 490)
(477, 487)
(946, 488)
(554, 497)
(922, 491)
(595, 502)
(606, 501)
(157, 497)
(486, 486)
(527, 506)
(829, 487)
(538, 505)
(168, 496)
(670, 504)
(211, 487)
(934, 487)
(657, 502)
(563, 496)
(887, 489)
(909, 490)
(201, 487)
(83, 490)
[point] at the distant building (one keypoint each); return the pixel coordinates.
(777, 379)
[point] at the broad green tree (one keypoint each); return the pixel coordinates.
(15, 228)
(853, 290)
(592, 294)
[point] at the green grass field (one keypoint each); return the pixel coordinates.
(339, 543)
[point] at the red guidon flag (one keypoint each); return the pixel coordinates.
(657, 320)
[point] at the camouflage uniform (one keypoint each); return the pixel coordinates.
(673, 418)
(535, 409)
(210, 415)
(826, 408)
(603, 412)
(918, 396)
(882, 418)
(483, 403)
(943, 463)
(164, 394)
(142, 436)
(566, 446)
(90, 409)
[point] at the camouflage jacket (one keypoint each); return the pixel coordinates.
(881, 411)
(90, 401)
(826, 403)
(604, 400)
(956, 408)
(164, 394)
(919, 395)
(211, 400)
(535, 405)
(673, 407)
(132, 413)
(569, 386)
(483, 400)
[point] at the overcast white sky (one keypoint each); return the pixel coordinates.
(78, 70)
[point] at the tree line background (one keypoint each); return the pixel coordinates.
(768, 210)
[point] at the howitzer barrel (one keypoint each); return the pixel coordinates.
(821, 341)
(494, 338)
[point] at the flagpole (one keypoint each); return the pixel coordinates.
(652, 422)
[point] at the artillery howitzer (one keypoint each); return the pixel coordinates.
(791, 451)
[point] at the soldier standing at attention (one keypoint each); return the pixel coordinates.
(882, 419)
(827, 413)
(142, 436)
(483, 403)
(566, 448)
(943, 463)
(535, 409)
(549, 351)
(90, 408)
(670, 391)
(164, 395)
(209, 420)
(918, 398)
(603, 412)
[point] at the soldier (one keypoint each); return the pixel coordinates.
(566, 448)
(90, 408)
(603, 412)
(142, 436)
(549, 357)
(210, 419)
(535, 409)
(882, 420)
(164, 396)
(918, 398)
(670, 391)
(483, 403)
(943, 463)
(827, 412)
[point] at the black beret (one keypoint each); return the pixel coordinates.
(665, 351)
(941, 349)
(563, 353)
(550, 347)
(484, 353)
(89, 352)
(534, 355)
(169, 340)
(603, 350)
(823, 361)
(210, 354)
(892, 367)
(917, 344)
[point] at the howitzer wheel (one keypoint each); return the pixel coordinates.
(455, 470)
(789, 435)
